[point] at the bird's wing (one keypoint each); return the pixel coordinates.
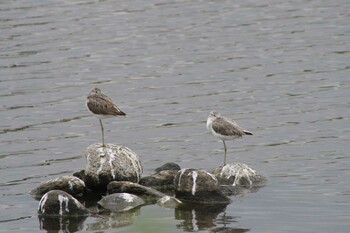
(103, 105)
(227, 127)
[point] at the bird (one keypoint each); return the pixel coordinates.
(102, 107)
(224, 129)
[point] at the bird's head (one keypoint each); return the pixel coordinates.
(214, 114)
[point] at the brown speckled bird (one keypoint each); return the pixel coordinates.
(102, 106)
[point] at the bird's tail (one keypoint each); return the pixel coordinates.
(247, 132)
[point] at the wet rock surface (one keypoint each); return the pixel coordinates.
(110, 163)
(237, 174)
(118, 202)
(198, 186)
(60, 203)
(163, 178)
(69, 184)
(133, 188)
(169, 202)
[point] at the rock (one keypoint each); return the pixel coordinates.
(80, 174)
(60, 203)
(133, 188)
(118, 202)
(163, 178)
(169, 202)
(110, 163)
(198, 186)
(168, 166)
(69, 184)
(236, 174)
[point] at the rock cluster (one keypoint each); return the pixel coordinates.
(116, 171)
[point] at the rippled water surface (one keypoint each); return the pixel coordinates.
(279, 68)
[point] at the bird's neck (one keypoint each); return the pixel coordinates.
(209, 122)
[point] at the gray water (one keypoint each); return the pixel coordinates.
(279, 68)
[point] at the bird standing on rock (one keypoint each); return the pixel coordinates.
(224, 129)
(102, 107)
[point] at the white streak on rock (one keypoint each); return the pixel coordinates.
(112, 157)
(212, 176)
(42, 203)
(127, 197)
(134, 160)
(63, 199)
(194, 177)
(80, 181)
(78, 204)
(236, 178)
(71, 185)
(182, 171)
(101, 151)
(102, 162)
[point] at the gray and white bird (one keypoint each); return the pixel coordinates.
(102, 107)
(224, 129)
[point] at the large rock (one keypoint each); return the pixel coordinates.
(69, 184)
(163, 178)
(60, 203)
(118, 202)
(236, 174)
(198, 186)
(110, 163)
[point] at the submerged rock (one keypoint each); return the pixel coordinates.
(118, 202)
(163, 178)
(110, 163)
(169, 202)
(198, 186)
(237, 174)
(69, 184)
(133, 188)
(60, 203)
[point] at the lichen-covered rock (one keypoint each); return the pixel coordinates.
(163, 178)
(133, 188)
(69, 184)
(60, 203)
(110, 163)
(198, 186)
(118, 202)
(237, 174)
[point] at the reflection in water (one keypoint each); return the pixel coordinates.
(114, 220)
(189, 216)
(61, 224)
(204, 217)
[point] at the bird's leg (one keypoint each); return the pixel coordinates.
(103, 136)
(225, 152)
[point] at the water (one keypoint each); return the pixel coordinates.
(279, 68)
